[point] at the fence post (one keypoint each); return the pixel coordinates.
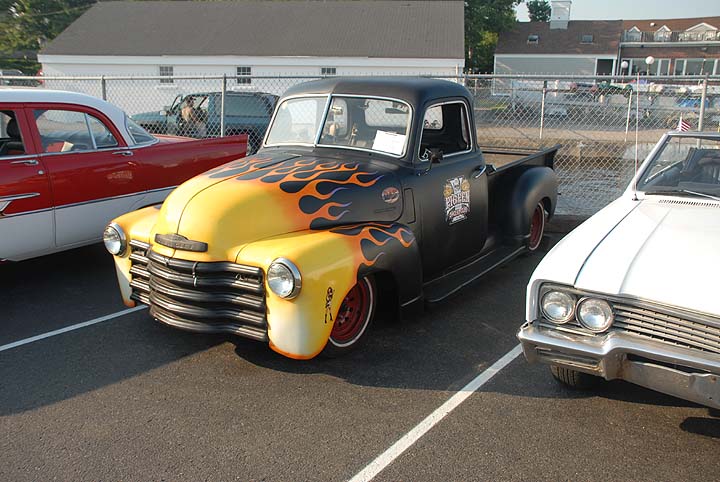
(103, 87)
(703, 99)
(627, 120)
(542, 109)
(222, 105)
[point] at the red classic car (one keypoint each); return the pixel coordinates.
(69, 163)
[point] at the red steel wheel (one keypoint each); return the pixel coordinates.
(537, 227)
(353, 318)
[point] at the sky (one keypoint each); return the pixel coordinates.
(636, 9)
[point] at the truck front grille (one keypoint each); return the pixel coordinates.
(199, 296)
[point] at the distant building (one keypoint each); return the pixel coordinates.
(687, 46)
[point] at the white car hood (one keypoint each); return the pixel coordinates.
(666, 250)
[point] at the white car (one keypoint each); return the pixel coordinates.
(632, 293)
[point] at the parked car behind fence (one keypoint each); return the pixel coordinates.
(244, 113)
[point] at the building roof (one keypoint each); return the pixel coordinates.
(334, 28)
(606, 38)
(674, 24)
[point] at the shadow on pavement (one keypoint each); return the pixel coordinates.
(75, 363)
(709, 427)
(442, 349)
(535, 381)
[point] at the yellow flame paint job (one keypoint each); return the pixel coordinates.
(298, 328)
(240, 220)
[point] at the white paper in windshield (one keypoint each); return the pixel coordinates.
(391, 142)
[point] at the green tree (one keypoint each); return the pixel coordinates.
(26, 25)
(484, 20)
(539, 10)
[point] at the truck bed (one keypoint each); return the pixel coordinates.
(501, 158)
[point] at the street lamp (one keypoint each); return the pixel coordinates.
(624, 67)
(649, 60)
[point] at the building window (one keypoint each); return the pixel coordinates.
(587, 39)
(694, 66)
(166, 71)
(243, 75)
(328, 71)
(533, 39)
(663, 34)
(659, 67)
(633, 35)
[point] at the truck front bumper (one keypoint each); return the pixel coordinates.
(681, 372)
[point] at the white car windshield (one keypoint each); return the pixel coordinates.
(359, 123)
(684, 165)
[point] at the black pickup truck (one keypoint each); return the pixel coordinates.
(364, 188)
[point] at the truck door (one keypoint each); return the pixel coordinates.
(453, 192)
(26, 216)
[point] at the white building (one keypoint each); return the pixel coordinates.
(246, 40)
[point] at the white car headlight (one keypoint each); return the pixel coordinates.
(284, 279)
(114, 239)
(558, 306)
(595, 314)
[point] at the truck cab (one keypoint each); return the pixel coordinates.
(363, 188)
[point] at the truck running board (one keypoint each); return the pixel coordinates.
(442, 287)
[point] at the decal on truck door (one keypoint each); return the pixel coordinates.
(457, 199)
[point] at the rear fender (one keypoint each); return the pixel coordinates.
(533, 185)
(330, 263)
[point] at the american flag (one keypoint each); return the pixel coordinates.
(682, 125)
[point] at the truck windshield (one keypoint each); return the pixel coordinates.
(684, 165)
(357, 123)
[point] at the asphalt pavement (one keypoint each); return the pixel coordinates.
(131, 399)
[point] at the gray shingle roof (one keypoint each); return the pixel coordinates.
(335, 28)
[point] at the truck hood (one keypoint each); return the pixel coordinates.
(658, 249)
(272, 194)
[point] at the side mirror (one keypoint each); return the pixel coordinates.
(436, 155)
(166, 110)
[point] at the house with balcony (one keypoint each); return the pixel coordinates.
(681, 46)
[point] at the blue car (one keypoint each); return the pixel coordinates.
(245, 113)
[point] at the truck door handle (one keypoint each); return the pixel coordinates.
(123, 153)
(27, 162)
(478, 171)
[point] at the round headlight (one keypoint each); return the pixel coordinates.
(558, 306)
(283, 278)
(114, 239)
(595, 314)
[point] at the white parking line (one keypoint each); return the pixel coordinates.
(387, 457)
(25, 341)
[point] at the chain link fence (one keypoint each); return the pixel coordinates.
(602, 123)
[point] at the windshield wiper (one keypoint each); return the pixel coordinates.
(681, 192)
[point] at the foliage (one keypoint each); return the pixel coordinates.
(484, 20)
(539, 10)
(26, 25)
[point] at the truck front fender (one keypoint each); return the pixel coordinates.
(533, 186)
(330, 263)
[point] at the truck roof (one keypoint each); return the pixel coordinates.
(414, 90)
